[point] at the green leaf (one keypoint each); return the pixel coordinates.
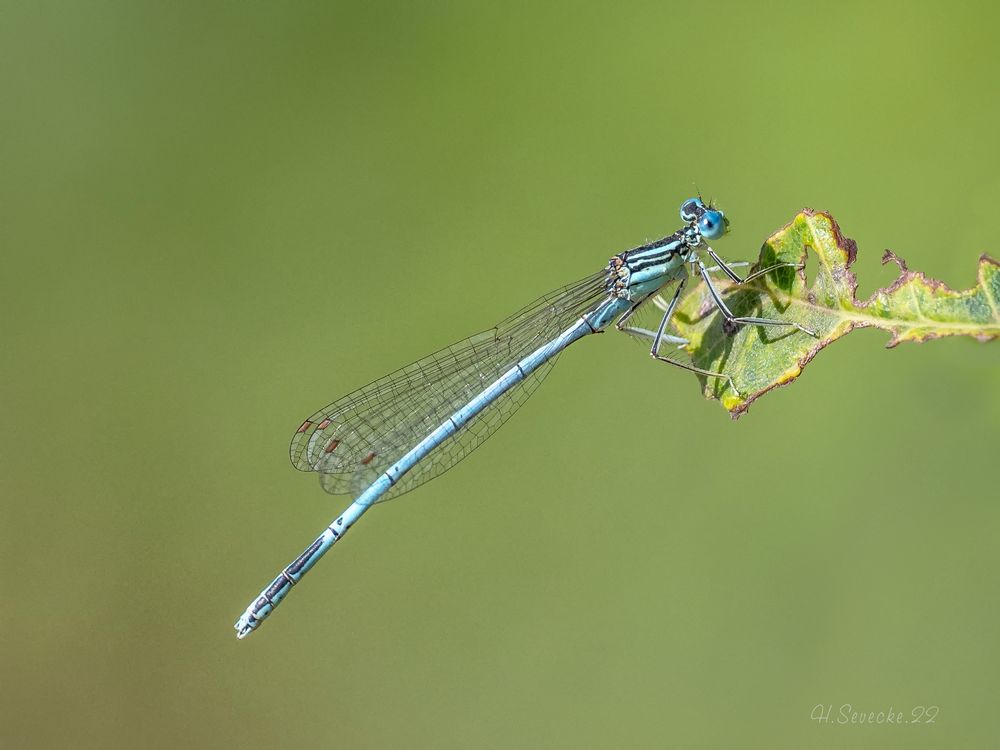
(760, 358)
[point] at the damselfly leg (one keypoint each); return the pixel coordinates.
(727, 268)
(724, 309)
(660, 336)
(645, 332)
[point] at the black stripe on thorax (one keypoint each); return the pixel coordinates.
(657, 258)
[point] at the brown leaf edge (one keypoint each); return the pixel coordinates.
(850, 250)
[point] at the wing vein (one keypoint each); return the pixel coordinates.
(354, 439)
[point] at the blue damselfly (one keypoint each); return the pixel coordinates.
(412, 425)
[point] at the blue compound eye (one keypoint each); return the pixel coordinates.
(712, 225)
(691, 209)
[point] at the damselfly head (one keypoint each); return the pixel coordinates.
(711, 222)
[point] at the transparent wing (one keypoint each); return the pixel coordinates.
(356, 438)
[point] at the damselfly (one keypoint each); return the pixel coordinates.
(416, 423)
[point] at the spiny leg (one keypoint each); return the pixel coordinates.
(661, 337)
(740, 319)
(620, 324)
(661, 303)
(644, 332)
(667, 315)
(651, 335)
(736, 264)
(727, 268)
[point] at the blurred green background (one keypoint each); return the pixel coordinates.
(217, 217)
